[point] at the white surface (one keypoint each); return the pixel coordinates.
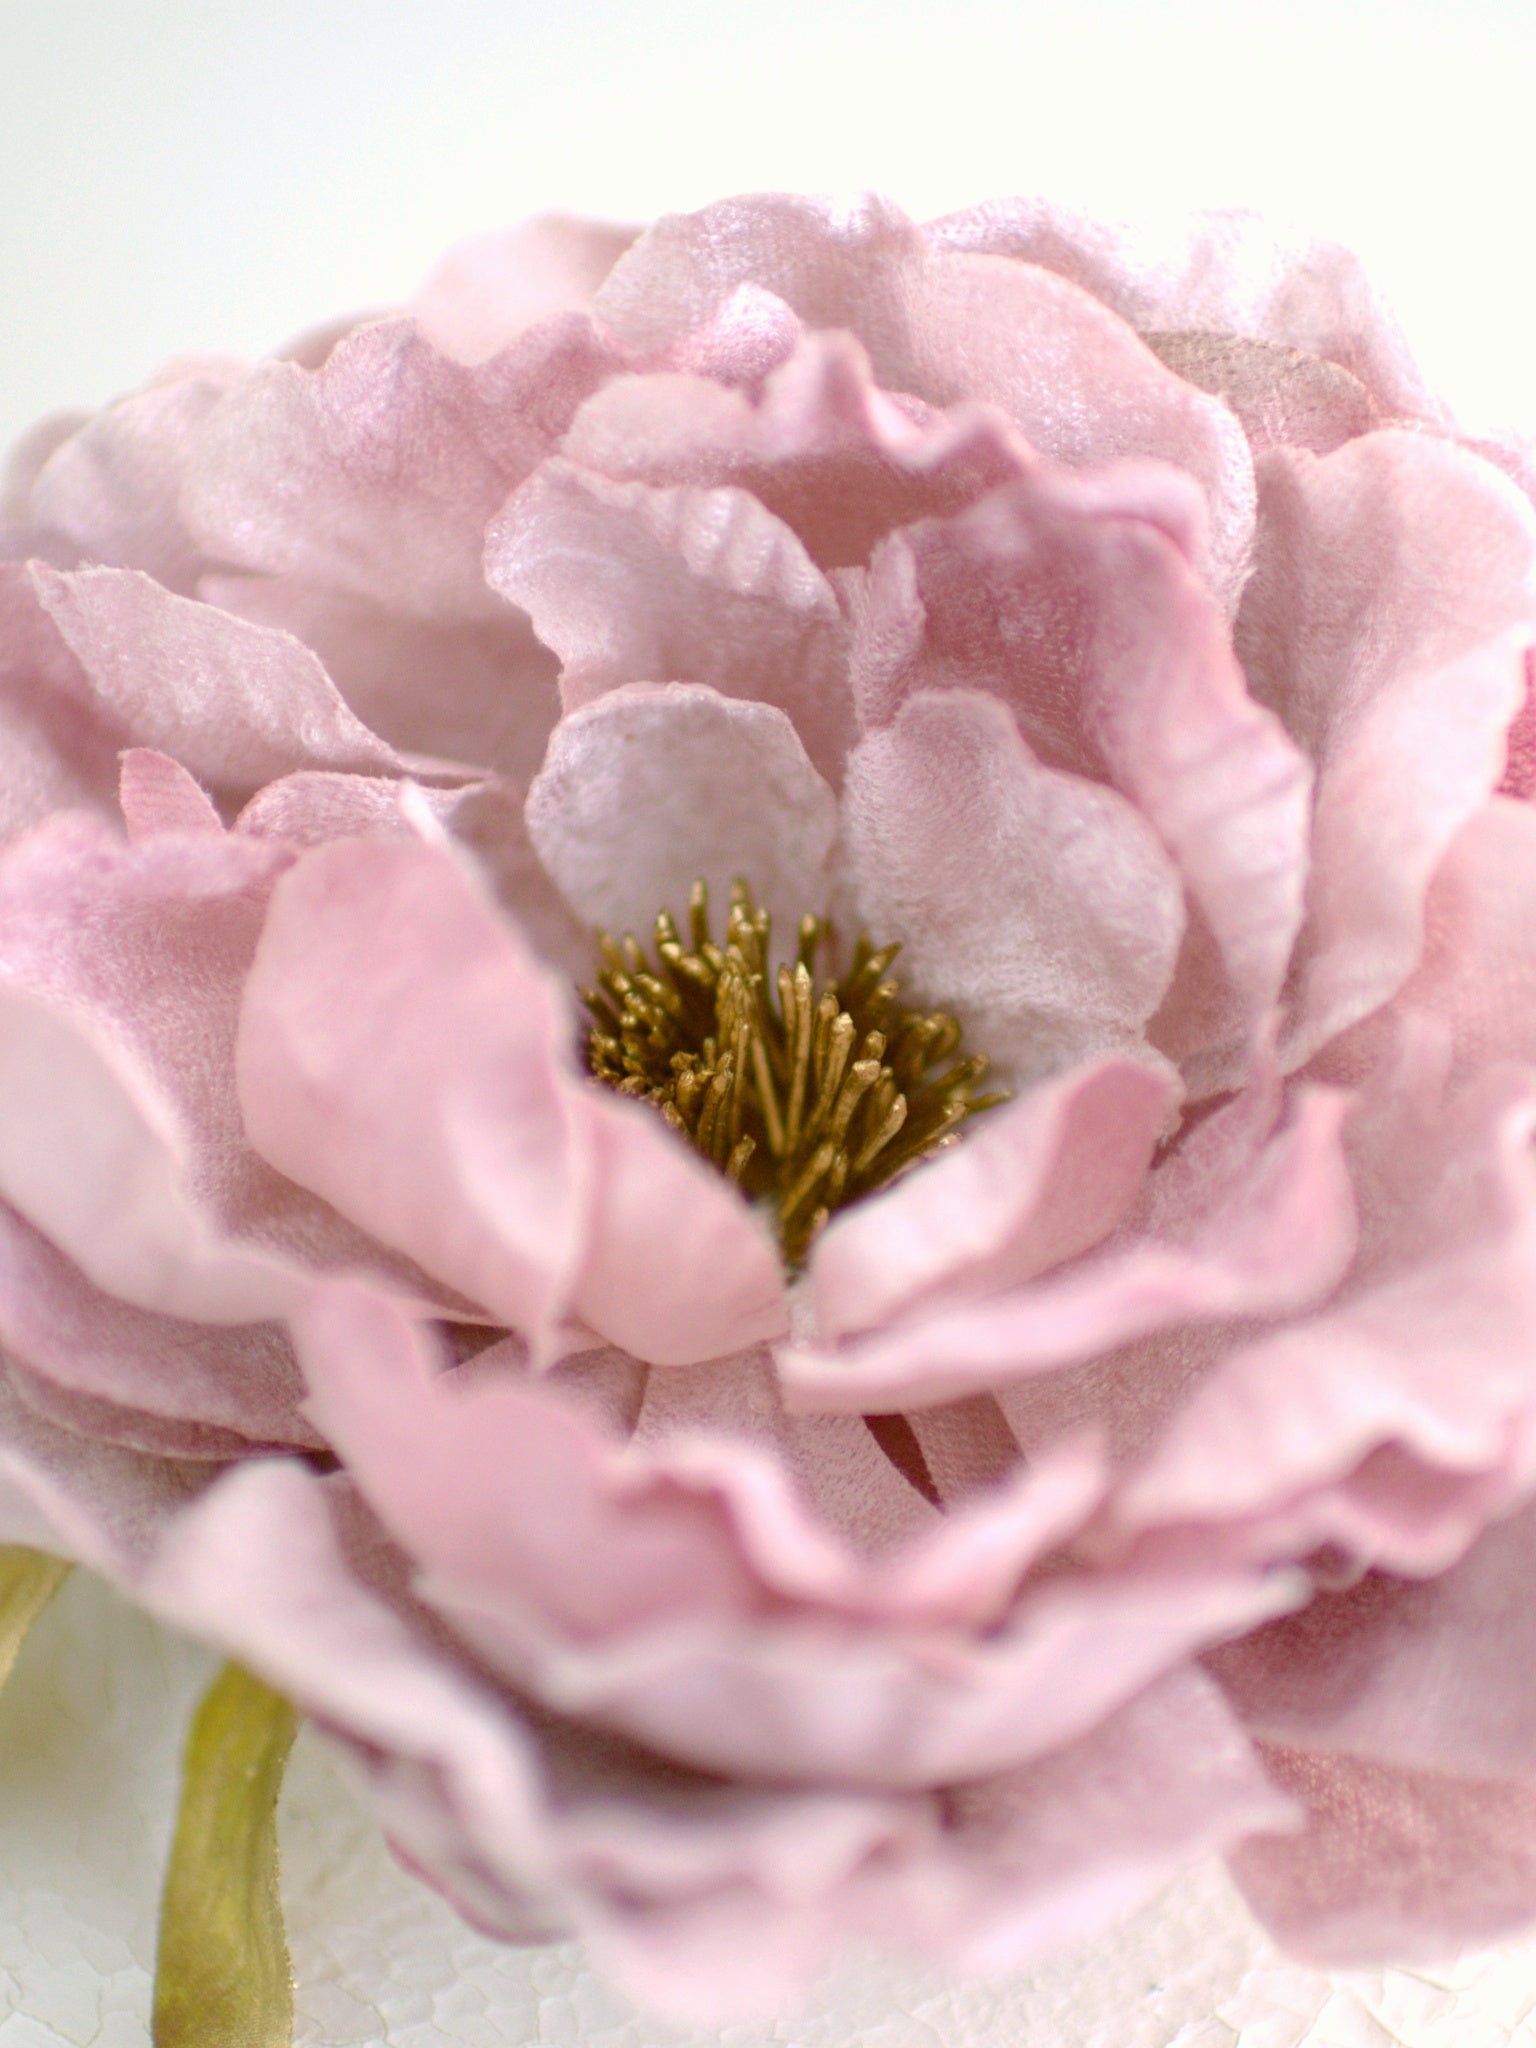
(90, 1730)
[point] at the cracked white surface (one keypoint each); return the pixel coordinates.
(90, 1731)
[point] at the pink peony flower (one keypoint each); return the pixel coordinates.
(731, 1476)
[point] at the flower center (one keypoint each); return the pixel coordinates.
(807, 1091)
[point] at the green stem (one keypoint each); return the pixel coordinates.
(221, 1972)
(28, 1581)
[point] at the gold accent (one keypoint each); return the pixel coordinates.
(807, 1092)
(221, 1970)
(28, 1581)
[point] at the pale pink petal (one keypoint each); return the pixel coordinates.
(1424, 1674)
(1221, 272)
(113, 489)
(98, 1503)
(58, 748)
(1284, 398)
(945, 326)
(485, 819)
(1388, 620)
(1064, 600)
(400, 1053)
(479, 692)
(1237, 1222)
(1045, 1857)
(1036, 905)
(486, 292)
(1039, 1181)
(648, 790)
(1478, 967)
(134, 1429)
(157, 794)
(376, 473)
(677, 1267)
(703, 1897)
(629, 584)
(22, 462)
(838, 460)
(232, 702)
(241, 1383)
(1395, 1425)
(120, 1137)
(1406, 1864)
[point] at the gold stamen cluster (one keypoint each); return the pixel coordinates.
(807, 1092)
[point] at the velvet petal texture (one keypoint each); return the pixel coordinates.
(1120, 630)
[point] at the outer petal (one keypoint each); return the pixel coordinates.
(376, 473)
(630, 584)
(1396, 1425)
(488, 291)
(1407, 1864)
(1226, 272)
(113, 489)
(231, 701)
(1036, 904)
(479, 692)
(648, 790)
(58, 748)
(1387, 622)
(119, 1137)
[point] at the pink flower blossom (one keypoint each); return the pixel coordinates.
(1146, 1469)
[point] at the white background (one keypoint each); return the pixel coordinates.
(179, 176)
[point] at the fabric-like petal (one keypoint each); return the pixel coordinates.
(630, 585)
(647, 790)
(1388, 620)
(1220, 272)
(376, 473)
(232, 702)
(1040, 1181)
(1037, 905)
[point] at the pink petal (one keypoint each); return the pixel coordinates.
(1037, 1182)
(629, 584)
(647, 790)
(1396, 1865)
(376, 473)
(400, 1054)
(1220, 272)
(1425, 1675)
(828, 452)
(1035, 904)
(58, 749)
(230, 701)
(480, 692)
(1238, 1222)
(677, 1267)
(1395, 1425)
(113, 489)
(120, 1137)
(96, 1502)
(158, 795)
(1388, 622)
(944, 326)
(1060, 597)
(241, 1383)
(486, 292)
